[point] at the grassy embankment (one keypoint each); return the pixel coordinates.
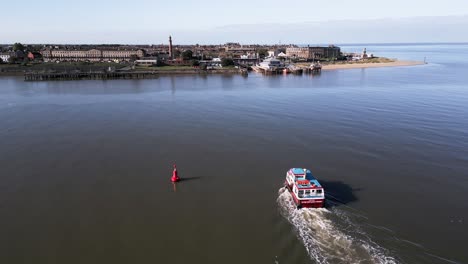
(18, 69)
(163, 68)
(182, 69)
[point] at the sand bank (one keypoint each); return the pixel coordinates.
(398, 63)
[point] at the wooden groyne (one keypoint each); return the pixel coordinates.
(41, 76)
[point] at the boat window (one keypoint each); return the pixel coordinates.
(301, 193)
(307, 192)
(319, 191)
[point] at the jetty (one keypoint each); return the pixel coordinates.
(313, 69)
(267, 71)
(292, 68)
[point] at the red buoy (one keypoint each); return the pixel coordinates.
(175, 176)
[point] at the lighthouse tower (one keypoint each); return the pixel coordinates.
(171, 53)
(364, 54)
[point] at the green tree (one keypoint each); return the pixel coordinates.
(262, 53)
(12, 59)
(18, 46)
(133, 57)
(227, 62)
(187, 55)
(195, 63)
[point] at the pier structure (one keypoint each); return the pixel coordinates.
(294, 70)
(314, 68)
(267, 71)
(40, 76)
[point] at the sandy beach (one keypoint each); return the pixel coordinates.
(372, 65)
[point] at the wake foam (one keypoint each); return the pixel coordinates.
(329, 236)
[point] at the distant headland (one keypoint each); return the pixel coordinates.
(111, 61)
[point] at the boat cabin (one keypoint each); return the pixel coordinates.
(308, 189)
(271, 63)
(303, 184)
(305, 189)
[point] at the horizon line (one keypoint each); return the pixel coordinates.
(270, 44)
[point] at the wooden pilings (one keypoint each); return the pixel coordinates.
(312, 70)
(296, 70)
(35, 76)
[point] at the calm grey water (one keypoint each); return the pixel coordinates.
(85, 166)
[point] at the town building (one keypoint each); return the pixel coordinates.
(5, 57)
(92, 55)
(299, 53)
(212, 64)
(282, 55)
(235, 50)
(245, 61)
(147, 62)
(313, 53)
(33, 56)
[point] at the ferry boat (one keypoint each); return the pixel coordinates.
(304, 188)
(270, 65)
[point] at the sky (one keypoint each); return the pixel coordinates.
(245, 21)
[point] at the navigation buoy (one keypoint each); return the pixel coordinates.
(175, 177)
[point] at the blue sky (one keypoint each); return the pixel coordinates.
(208, 21)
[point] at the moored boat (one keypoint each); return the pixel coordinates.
(270, 66)
(315, 67)
(304, 188)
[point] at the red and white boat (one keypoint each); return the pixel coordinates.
(304, 188)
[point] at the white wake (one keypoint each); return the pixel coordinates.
(327, 241)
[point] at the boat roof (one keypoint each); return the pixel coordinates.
(297, 170)
(308, 184)
(309, 180)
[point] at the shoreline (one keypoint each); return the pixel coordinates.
(397, 63)
(326, 67)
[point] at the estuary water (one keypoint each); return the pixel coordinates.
(85, 166)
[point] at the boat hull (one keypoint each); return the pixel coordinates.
(310, 203)
(305, 203)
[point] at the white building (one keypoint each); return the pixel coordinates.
(147, 62)
(248, 56)
(5, 57)
(282, 55)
